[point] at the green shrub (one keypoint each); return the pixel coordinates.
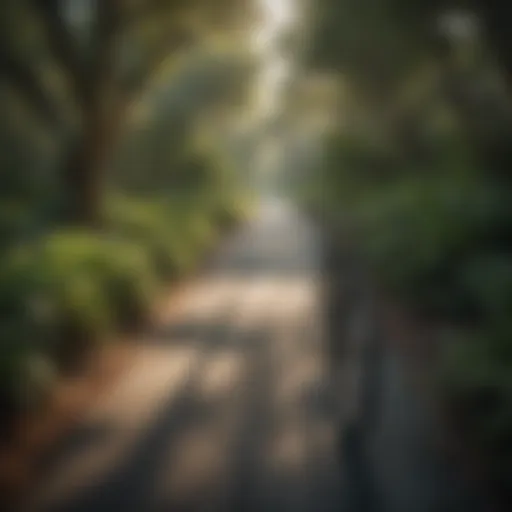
(418, 233)
(201, 232)
(85, 284)
(67, 291)
(129, 282)
(59, 297)
(66, 263)
(56, 274)
(176, 230)
(153, 226)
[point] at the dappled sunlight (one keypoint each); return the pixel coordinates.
(222, 376)
(299, 377)
(295, 297)
(255, 312)
(158, 375)
(200, 302)
(223, 388)
(211, 296)
(156, 221)
(116, 422)
(288, 450)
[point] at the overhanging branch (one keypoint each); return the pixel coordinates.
(62, 45)
(27, 83)
(147, 9)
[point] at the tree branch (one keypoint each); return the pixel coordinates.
(101, 71)
(86, 76)
(62, 45)
(27, 82)
(146, 9)
(153, 60)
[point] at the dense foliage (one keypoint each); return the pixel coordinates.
(420, 164)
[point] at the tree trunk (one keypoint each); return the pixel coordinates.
(82, 176)
(84, 172)
(101, 114)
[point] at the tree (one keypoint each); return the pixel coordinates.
(188, 102)
(81, 63)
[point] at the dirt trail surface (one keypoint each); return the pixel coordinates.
(229, 407)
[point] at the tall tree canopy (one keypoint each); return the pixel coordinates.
(78, 65)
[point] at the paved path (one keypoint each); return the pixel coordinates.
(233, 404)
(230, 406)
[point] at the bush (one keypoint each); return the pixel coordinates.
(156, 227)
(65, 292)
(443, 245)
(74, 289)
(419, 233)
(129, 281)
(175, 231)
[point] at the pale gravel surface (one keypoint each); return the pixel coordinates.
(230, 406)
